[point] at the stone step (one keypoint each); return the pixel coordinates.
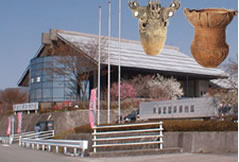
(136, 152)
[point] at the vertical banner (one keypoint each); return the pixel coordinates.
(19, 122)
(9, 126)
(92, 108)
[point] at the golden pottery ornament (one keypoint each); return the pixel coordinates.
(209, 46)
(153, 23)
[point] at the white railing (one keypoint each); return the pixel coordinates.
(37, 135)
(156, 136)
(4, 139)
(43, 140)
(48, 144)
(15, 137)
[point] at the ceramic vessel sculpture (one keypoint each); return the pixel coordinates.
(153, 23)
(209, 46)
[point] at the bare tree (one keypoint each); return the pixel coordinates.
(77, 62)
(11, 96)
(228, 94)
(141, 85)
(231, 69)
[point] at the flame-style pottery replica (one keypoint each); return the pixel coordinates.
(153, 23)
(209, 46)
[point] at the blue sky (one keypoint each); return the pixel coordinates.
(23, 21)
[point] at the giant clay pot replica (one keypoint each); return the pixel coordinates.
(153, 23)
(209, 46)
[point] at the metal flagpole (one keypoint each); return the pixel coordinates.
(119, 68)
(99, 52)
(109, 39)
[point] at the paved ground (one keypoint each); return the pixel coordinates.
(179, 157)
(13, 153)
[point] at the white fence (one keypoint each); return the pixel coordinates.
(37, 135)
(48, 144)
(4, 139)
(42, 140)
(128, 133)
(15, 137)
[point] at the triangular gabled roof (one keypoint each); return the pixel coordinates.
(132, 55)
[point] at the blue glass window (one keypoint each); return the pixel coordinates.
(47, 93)
(38, 94)
(58, 84)
(58, 92)
(45, 87)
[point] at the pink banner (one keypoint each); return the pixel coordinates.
(19, 122)
(92, 108)
(9, 126)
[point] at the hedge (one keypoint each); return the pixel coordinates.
(179, 125)
(197, 125)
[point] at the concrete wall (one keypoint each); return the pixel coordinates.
(62, 120)
(212, 142)
(209, 142)
(196, 142)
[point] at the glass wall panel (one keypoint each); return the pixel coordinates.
(39, 60)
(36, 85)
(48, 99)
(37, 73)
(39, 66)
(32, 94)
(58, 77)
(47, 86)
(58, 99)
(47, 59)
(47, 78)
(47, 93)
(58, 84)
(58, 92)
(33, 68)
(69, 93)
(38, 94)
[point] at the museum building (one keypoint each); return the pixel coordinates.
(49, 87)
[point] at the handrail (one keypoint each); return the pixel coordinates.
(23, 133)
(4, 139)
(16, 137)
(33, 135)
(127, 144)
(146, 136)
(128, 131)
(126, 138)
(37, 135)
(76, 144)
(128, 125)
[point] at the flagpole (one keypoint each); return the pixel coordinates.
(99, 52)
(109, 39)
(119, 68)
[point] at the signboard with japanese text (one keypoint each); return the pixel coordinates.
(26, 107)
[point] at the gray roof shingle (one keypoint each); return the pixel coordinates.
(133, 55)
